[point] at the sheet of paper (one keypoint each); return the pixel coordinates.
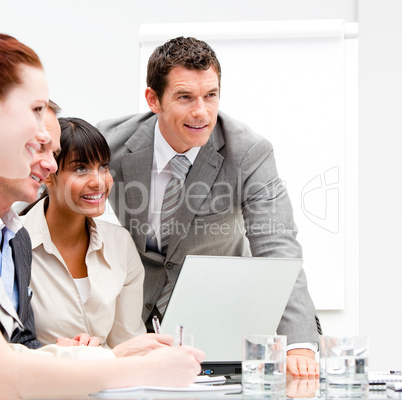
(210, 379)
(194, 387)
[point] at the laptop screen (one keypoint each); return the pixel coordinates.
(221, 299)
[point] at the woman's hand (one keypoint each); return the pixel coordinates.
(83, 339)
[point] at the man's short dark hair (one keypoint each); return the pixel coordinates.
(187, 52)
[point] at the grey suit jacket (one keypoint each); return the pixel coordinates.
(235, 204)
(22, 255)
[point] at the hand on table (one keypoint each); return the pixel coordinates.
(301, 387)
(142, 345)
(302, 363)
(83, 339)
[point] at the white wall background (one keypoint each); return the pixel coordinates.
(90, 47)
(90, 52)
(380, 179)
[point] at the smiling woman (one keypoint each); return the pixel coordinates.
(83, 181)
(23, 101)
(81, 265)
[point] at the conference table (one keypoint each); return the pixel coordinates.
(296, 388)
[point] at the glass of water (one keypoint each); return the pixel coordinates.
(264, 366)
(345, 362)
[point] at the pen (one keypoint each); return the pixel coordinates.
(180, 329)
(156, 325)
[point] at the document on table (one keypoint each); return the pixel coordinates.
(194, 387)
(210, 379)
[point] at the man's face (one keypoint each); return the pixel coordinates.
(43, 165)
(188, 110)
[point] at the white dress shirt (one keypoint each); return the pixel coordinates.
(11, 220)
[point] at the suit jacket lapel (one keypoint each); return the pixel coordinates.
(200, 180)
(137, 170)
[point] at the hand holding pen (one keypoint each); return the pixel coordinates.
(179, 331)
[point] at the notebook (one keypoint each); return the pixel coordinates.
(221, 299)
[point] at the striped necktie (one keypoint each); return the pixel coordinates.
(180, 166)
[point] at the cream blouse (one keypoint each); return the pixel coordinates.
(113, 310)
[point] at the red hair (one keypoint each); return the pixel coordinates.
(12, 54)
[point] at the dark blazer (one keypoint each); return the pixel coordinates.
(236, 205)
(22, 256)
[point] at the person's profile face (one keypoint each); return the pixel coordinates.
(21, 122)
(44, 162)
(188, 110)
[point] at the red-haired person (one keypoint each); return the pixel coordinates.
(23, 102)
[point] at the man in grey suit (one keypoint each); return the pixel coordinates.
(12, 190)
(229, 199)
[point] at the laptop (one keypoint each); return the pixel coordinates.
(221, 299)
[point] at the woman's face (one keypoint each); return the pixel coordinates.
(22, 129)
(82, 188)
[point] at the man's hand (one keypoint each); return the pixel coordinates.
(83, 339)
(142, 345)
(301, 362)
(301, 387)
